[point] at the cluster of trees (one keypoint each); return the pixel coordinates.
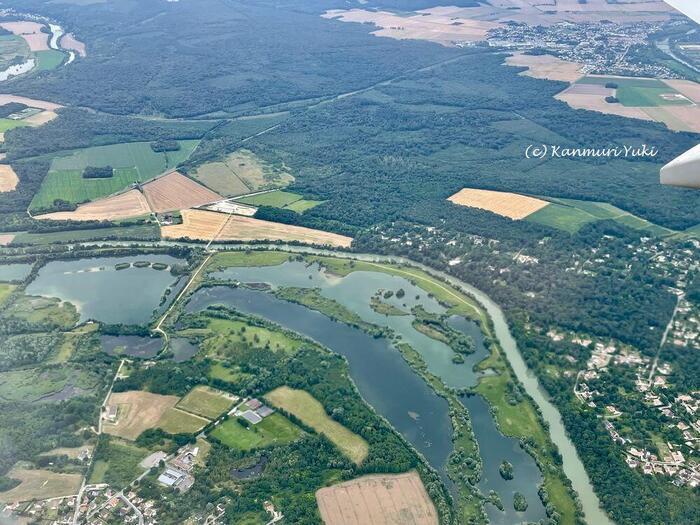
(94, 172)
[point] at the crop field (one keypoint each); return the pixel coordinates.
(387, 499)
(40, 484)
(6, 124)
(49, 59)
(280, 199)
(273, 430)
(241, 172)
(176, 421)
(31, 32)
(70, 186)
(174, 191)
(137, 411)
(506, 204)
(125, 205)
(640, 92)
(31, 102)
(207, 225)
(136, 232)
(206, 402)
(8, 178)
(546, 66)
(303, 406)
(5, 290)
(12, 48)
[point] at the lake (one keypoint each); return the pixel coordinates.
(101, 292)
(14, 272)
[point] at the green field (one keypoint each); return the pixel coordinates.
(308, 410)
(117, 463)
(639, 92)
(205, 402)
(273, 430)
(6, 124)
(132, 162)
(179, 422)
(571, 215)
(231, 332)
(5, 291)
(281, 199)
(235, 258)
(49, 59)
(137, 232)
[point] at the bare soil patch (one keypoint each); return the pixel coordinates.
(6, 238)
(686, 87)
(598, 103)
(40, 119)
(68, 41)
(506, 204)
(40, 484)
(31, 102)
(121, 206)
(31, 32)
(208, 225)
(8, 178)
(137, 411)
(547, 67)
(174, 191)
(399, 499)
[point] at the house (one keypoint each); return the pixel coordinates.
(254, 404)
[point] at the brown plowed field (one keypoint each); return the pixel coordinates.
(502, 203)
(208, 225)
(8, 178)
(31, 102)
(174, 191)
(399, 499)
(124, 205)
(31, 32)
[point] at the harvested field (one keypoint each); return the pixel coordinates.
(686, 87)
(68, 41)
(208, 225)
(39, 119)
(31, 32)
(398, 499)
(598, 103)
(547, 67)
(429, 24)
(677, 118)
(137, 411)
(31, 102)
(8, 178)
(174, 191)
(122, 206)
(502, 203)
(40, 484)
(206, 402)
(6, 238)
(310, 412)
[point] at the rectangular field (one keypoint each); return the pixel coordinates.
(136, 232)
(502, 203)
(273, 430)
(378, 499)
(40, 484)
(305, 407)
(206, 402)
(174, 191)
(137, 411)
(125, 205)
(176, 421)
(277, 199)
(208, 225)
(8, 178)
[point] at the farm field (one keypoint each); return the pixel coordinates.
(40, 484)
(241, 172)
(31, 102)
(138, 232)
(49, 59)
(70, 186)
(30, 32)
(8, 178)
(511, 205)
(308, 410)
(125, 205)
(174, 191)
(6, 124)
(377, 499)
(273, 430)
(208, 225)
(206, 402)
(137, 411)
(5, 290)
(176, 421)
(546, 66)
(277, 199)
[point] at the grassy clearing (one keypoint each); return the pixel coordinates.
(308, 410)
(277, 199)
(565, 218)
(229, 332)
(302, 205)
(224, 260)
(136, 232)
(6, 124)
(47, 311)
(5, 291)
(176, 421)
(273, 430)
(40, 484)
(49, 59)
(206, 402)
(117, 463)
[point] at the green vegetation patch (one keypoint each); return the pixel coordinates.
(223, 260)
(565, 218)
(273, 430)
(176, 421)
(49, 59)
(206, 402)
(230, 332)
(49, 384)
(309, 411)
(43, 312)
(6, 124)
(5, 291)
(144, 232)
(276, 199)
(116, 462)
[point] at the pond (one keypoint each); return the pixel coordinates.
(101, 292)
(131, 345)
(382, 376)
(14, 272)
